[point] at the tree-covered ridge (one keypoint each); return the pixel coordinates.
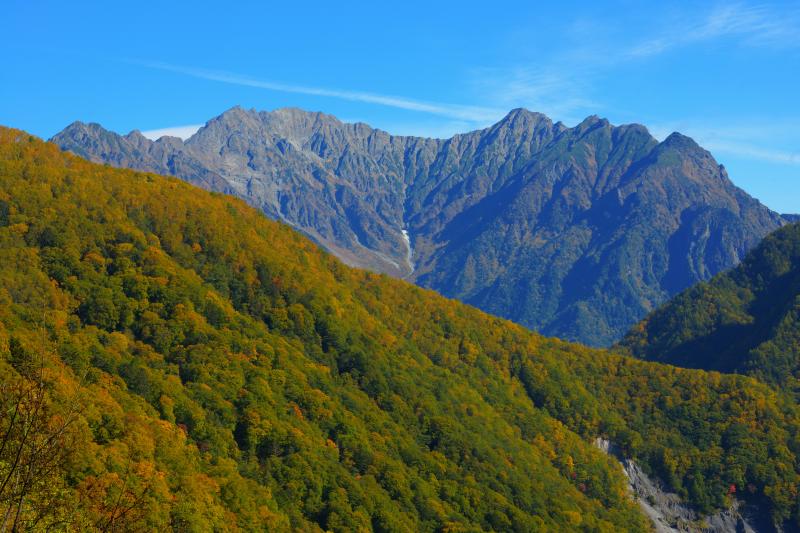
(223, 372)
(746, 320)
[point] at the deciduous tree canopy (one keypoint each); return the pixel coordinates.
(225, 373)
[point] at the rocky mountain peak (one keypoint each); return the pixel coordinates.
(236, 116)
(592, 120)
(78, 128)
(521, 118)
(136, 138)
(679, 141)
(169, 141)
(235, 112)
(75, 126)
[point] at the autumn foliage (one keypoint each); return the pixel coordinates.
(222, 372)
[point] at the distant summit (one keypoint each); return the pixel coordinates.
(575, 232)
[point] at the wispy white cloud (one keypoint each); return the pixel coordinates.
(476, 114)
(564, 84)
(183, 132)
(560, 92)
(754, 152)
(757, 25)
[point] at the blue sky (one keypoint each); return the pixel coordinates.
(727, 73)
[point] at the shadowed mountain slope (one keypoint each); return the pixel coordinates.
(746, 320)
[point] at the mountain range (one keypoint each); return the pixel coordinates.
(189, 365)
(574, 232)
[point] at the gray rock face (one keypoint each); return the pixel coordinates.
(670, 514)
(575, 232)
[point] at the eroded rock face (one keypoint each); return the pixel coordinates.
(670, 515)
(575, 232)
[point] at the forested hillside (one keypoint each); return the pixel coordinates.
(746, 320)
(187, 364)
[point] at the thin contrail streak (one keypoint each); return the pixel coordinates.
(470, 113)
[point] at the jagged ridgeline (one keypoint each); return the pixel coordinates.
(201, 367)
(746, 320)
(574, 232)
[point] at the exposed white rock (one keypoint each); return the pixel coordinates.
(410, 252)
(666, 510)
